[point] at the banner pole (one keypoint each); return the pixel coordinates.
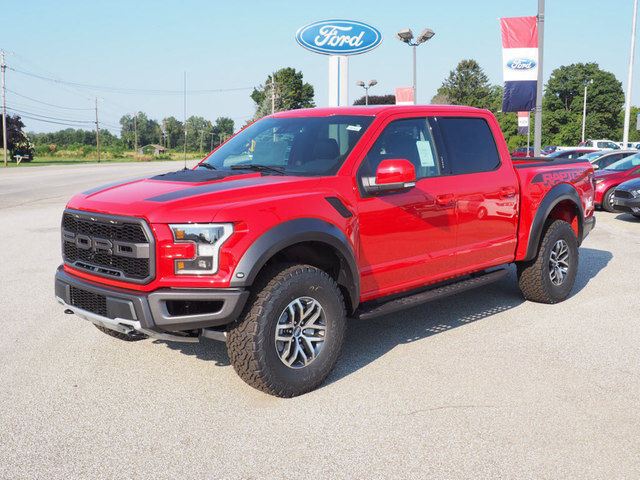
(537, 140)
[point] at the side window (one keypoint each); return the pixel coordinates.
(469, 145)
(410, 139)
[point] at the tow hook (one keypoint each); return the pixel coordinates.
(68, 311)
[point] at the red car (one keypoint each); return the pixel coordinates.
(523, 152)
(610, 177)
(308, 217)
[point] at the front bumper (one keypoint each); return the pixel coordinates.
(160, 314)
(627, 205)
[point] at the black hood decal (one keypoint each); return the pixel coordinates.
(213, 187)
(194, 176)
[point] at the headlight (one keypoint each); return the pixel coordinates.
(635, 193)
(208, 238)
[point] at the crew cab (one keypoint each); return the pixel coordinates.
(309, 217)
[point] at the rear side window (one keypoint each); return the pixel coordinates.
(469, 145)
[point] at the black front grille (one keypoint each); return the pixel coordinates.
(80, 231)
(89, 301)
(137, 268)
(123, 232)
(623, 194)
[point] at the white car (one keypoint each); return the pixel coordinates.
(602, 144)
(632, 145)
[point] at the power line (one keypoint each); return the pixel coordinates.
(132, 91)
(45, 103)
(49, 117)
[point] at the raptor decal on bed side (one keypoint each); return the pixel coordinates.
(549, 179)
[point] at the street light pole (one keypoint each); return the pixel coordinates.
(366, 87)
(584, 108)
(406, 36)
(537, 139)
(627, 105)
(4, 107)
(415, 76)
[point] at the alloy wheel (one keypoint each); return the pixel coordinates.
(300, 332)
(559, 262)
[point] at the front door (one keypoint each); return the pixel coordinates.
(406, 238)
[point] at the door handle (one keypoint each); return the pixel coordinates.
(507, 192)
(445, 200)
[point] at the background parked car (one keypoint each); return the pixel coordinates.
(571, 153)
(603, 158)
(549, 149)
(630, 145)
(610, 177)
(522, 152)
(626, 198)
(600, 144)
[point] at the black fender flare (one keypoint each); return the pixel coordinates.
(557, 194)
(297, 231)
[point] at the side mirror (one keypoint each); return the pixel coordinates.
(392, 174)
(595, 166)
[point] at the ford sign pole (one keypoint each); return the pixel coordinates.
(339, 39)
(537, 139)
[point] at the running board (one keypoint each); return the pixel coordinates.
(425, 296)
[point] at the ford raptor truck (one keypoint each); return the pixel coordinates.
(309, 217)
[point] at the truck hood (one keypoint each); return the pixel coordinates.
(187, 194)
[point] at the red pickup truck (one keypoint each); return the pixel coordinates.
(309, 217)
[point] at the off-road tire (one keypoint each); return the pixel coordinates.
(121, 336)
(533, 277)
(251, 339)
(606, 200)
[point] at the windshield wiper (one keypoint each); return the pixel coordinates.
(257, 168)
(207, 165)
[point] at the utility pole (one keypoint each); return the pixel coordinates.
(627, 105)
(273, 93)
(212, 133)
(97, 131)
(184, 105)
(537, 139)
(135, 134)
(201, 140)
(4, 108)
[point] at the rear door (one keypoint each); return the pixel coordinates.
(485, 190)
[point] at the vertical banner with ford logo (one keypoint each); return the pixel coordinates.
(519, 63)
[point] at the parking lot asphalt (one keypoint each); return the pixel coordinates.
(481, 385)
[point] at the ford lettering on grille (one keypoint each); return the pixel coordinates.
(114, 247)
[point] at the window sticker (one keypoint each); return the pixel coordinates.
(425, 153)
(354, 128)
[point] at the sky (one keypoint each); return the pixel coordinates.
(235, 45)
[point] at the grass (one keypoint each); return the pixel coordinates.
(44, 161)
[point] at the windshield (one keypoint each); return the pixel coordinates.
(592, 156)
(294, 146)
(625, 163)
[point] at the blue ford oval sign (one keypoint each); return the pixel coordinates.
(521, 64)
(339, 37)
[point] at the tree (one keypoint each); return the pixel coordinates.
(17, 141)
(148, 130)
(173, 132)
(389, 99)
(563, 102)
(466, 85)
(289, 90)
(198, 132)
(222, 130)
